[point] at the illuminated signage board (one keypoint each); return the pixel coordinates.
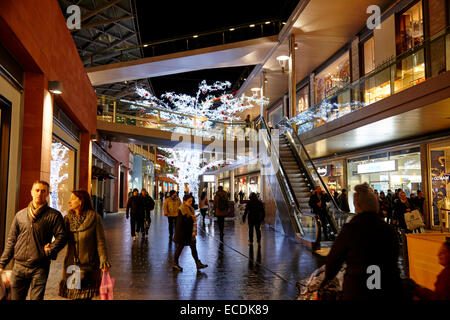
(324, 171)
(208, 178)
(382, 166)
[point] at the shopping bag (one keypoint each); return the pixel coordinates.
(310, 289)
(5, 290)
(107, 287)
(413, 220)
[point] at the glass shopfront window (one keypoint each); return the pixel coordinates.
(440, 185)
(389, 170)
(62, 175)
(332, 174)
(369, 55)
(276, 114)
(247, 184)
(303, 99)
(409, 28)
(333, 78)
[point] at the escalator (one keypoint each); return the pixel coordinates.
(296, 177)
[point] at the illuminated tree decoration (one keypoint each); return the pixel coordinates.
(59, 154)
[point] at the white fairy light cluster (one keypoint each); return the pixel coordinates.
(205, 105)
(190, 165)
(59, 153)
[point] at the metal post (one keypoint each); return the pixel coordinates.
(292, 80)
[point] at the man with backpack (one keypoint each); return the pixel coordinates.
(149, 205)
(221, 208)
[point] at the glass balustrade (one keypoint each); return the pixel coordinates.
(407, 70)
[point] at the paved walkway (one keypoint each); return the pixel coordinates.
(143, 269)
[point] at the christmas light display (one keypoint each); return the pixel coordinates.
(59, 154)
(208, 109)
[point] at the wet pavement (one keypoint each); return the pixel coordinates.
(143, 269)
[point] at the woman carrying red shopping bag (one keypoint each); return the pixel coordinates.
(86, 255)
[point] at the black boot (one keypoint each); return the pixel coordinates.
(200, 265)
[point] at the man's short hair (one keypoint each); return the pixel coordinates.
(135, 190)
(220, 188)
(45, 183)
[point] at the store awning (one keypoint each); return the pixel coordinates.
(99, 173)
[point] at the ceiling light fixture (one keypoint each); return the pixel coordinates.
(145, 45)
(283, 61)
(296, 46)
(232, 29)
(55, 87)
(196, 36)
(267, 22)
(252, 25)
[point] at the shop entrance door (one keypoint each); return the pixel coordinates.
(121, 189)
(5, 130)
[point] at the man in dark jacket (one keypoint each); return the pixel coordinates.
(149, 205)
(221, 208)
(370, 248)
(318, 203)
(30, 244)
(135, 207)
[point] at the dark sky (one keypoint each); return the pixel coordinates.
(165, 19)
(160, 20)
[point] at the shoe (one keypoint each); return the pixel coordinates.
(134, 238)
(176, 267)
(250, 243)
(200, 265)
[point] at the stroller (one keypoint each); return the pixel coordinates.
(309, 288)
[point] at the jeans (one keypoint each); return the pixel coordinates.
(204, 212)
(24, 279)
(172, 221)
(257, 227)
(180, 248)
(137, 224)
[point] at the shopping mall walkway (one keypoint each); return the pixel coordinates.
(143, 269)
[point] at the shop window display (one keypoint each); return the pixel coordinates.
(440, 186)
(303, 100)
(333, 78)
(62, 175)
(390, 170)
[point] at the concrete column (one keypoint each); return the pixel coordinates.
(292, 78)
(38, 128)
(232, 185)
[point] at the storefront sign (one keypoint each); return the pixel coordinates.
(208, 178)
(373, 167)
(324, 171)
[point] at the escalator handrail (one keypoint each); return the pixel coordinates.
(292, 200)
(314, 167)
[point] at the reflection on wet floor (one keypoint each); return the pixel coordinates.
(143, 269)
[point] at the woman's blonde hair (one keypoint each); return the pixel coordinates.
(364, 199)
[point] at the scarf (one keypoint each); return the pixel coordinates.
(33, 212)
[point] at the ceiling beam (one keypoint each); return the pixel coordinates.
(98, 10)
(101, 23)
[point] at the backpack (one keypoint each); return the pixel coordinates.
(223, 202)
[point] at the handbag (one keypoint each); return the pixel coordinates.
(413, 220)
(107, 287)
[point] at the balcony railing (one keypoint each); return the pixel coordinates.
(406, 70)
(171, 121)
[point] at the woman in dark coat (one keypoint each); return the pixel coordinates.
(185, 232)
(256, 214)
(385, 207)
(364, 242)
(86, 248)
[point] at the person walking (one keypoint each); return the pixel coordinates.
(86, 249)
(185, 233)
(161, 196)
(402, 206)
(170, 208)
(419, 201)
(241, 196)
(149, 205)
(385, 207)
(343, 201)
(221, 208)
(135, 209)
(204, 205)
(30, 244)
(256, 214)
(318, 203)
(364, 242)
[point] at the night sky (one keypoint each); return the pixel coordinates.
(160, 20)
